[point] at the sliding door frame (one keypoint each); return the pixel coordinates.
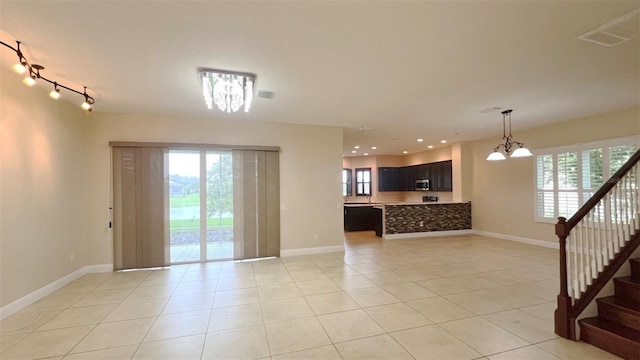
(267, 192)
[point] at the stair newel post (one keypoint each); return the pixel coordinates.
(563, 326)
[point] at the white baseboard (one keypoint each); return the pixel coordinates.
(310, 251)
(426, 234)
(547, 244)
(98, 268)
(29, 299)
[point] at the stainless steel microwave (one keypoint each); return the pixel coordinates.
(422, 185)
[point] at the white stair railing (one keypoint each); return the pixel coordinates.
(602, 232)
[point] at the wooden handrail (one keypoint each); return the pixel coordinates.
(595, 199)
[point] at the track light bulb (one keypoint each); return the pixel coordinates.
(55, 94)
(20, 68)
(32, 72)
(29, 81)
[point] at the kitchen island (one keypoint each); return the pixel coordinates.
(415, 219)
(406, 220)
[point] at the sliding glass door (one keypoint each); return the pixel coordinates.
(195, 203)
(219, 205)
(201, 205)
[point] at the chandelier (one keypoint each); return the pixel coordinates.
(228, 90)
(520, 151)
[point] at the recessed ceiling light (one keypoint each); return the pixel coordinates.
(420, 140)
(356, 147)
(405, 152)
(365, 154)
(443, 141)
(353, 152)
(373, 148)
(430, 146)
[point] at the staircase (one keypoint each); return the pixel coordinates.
(616, 329)
(594, 244)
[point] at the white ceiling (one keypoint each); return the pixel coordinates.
(403, 70)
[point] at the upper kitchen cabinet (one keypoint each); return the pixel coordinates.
(404, 178)
(440, 176)
(447, 176)
(411, 174)
(389, 179)
(423, 172)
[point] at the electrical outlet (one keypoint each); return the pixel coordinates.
(72, 257)
(316, 236)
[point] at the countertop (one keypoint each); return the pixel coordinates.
(362, 204)
(428, 203)
(404, 203)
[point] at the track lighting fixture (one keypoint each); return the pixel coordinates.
(55, 93)
(87, 104)
(34, 74)
(29, 80)
(21, 66)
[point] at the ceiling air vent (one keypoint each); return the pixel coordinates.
(615, 32)
(266, 94)
(490, 109)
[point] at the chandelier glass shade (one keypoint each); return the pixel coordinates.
(510, 147)
(229, 91)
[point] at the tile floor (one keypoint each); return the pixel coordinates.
(467, 297)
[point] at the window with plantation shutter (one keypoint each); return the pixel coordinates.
(363, 181)
(618, 155)
(545, 195)
(566, 177)
(346, 182)
(567, 170)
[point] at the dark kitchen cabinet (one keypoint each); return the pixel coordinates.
(361, 217)
(440, 176)
(411, 174)
(435, 177)
(422, 172)
(447, 176)
(377, 221)
(388, 179)
(404, 178)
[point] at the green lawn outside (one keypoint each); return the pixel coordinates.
(184, 225)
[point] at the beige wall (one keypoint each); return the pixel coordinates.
(462, 172)
(428, 156)
(43, 187)
(503, 197)
(310, 164)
